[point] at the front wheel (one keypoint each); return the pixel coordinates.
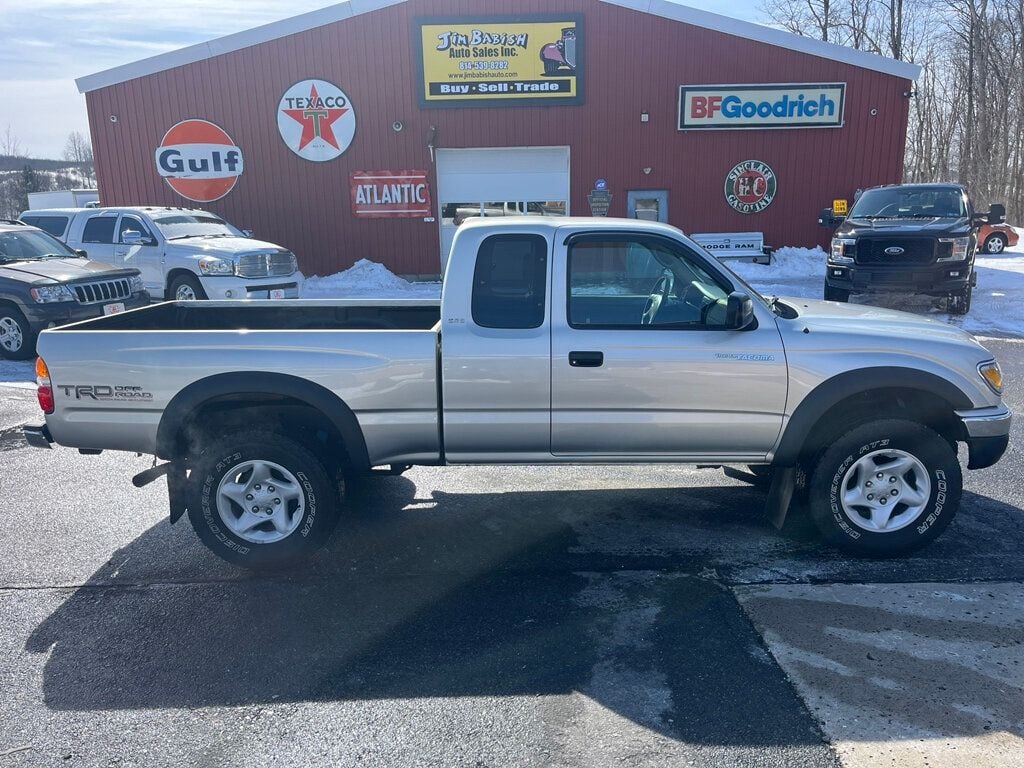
(836, 294)
(262, 500)
(885, 488)
(186, 288)
(17, 341)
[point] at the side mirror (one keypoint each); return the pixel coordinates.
(996, 213)
(131, 237)
(81, 254)
(247, 232)
(739, 311)
(829, 219)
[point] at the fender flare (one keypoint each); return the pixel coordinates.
(849, 383)
(185, 403)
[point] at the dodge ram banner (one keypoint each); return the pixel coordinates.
(492, 62)
(728, 107)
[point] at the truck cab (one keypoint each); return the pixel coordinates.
(181, 253)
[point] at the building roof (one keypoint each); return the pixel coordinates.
(668, 9)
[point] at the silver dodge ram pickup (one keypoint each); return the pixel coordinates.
(556, 341)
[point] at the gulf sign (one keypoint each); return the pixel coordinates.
(760, 107)
(199, 160)
(390, 194)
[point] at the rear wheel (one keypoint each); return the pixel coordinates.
(262, 500)
(995, 243)
(836, 294)
(17, 341)
(186, 288)
(885, 488)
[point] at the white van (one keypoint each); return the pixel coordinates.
(182, 253)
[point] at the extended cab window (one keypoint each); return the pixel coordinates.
(55, 225)
(641, 283)
(509, 282)
(99, 229)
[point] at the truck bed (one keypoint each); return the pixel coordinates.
(114, 376)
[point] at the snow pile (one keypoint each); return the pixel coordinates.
(18, 373)
(367, 279)
(793, 272)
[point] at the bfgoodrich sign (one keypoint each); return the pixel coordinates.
(727, 107)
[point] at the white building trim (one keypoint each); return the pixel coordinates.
(668, 9)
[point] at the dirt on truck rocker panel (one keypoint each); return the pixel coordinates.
(556, 341)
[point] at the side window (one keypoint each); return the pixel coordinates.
(99, 229)
(509, 282)
(135, 225)
(642, 283)
(55, 225)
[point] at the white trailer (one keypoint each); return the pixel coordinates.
(64, 198)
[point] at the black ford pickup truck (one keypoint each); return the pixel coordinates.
(912, 238)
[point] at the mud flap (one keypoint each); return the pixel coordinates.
(780, 495)
(177, 491)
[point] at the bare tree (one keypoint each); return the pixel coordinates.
(78, 150)
(10, 144)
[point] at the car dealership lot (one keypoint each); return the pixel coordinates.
(504, 616)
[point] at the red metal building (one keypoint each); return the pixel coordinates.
(372, 128)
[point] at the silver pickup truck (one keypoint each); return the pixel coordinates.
(556, 341)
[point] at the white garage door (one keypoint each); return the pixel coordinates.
(500, 182)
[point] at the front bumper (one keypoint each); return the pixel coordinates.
(38, 437)
(988, 434)
(221, 288)
(42, 316)
(933, 279)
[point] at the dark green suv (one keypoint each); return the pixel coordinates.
(44, 283)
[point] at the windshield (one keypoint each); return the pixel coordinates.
(910, 203)
(175, 226)
(31, 245)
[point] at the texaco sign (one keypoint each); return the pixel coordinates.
(750, 186)
(316, 120)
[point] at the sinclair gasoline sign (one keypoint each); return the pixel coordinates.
(729, 107)
(387, 194)
(750, 186)
(500, 62)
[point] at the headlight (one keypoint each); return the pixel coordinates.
(992, 375)
(211, 265)
(838, 253)
(295, 262)
(958, 248)
(136, 285)
(50, 294)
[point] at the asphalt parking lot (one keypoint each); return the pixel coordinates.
(601, 616)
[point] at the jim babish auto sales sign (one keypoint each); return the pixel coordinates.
(500, 62)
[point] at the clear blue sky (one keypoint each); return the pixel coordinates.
(48, 43)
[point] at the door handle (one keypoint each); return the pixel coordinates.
(586, 359)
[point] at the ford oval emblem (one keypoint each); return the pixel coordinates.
(894, 251)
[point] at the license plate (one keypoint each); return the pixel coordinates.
(277, 293)
(113, 309)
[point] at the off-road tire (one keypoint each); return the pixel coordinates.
(927, 446)
(836, 294)
(13, 316)
(320, 495)
(995, 244)
(189, 280)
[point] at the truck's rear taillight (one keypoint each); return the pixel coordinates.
(44, 393)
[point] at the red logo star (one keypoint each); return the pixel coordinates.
(316, 120)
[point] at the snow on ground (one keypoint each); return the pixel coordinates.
(368, 279)
(997, 308)
(18, 373)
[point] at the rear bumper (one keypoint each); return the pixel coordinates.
(38, 437)
(988, 434)
(934, 279)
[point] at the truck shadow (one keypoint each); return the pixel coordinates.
(614, 594)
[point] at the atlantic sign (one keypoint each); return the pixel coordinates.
(390, 194)
(730, 107)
